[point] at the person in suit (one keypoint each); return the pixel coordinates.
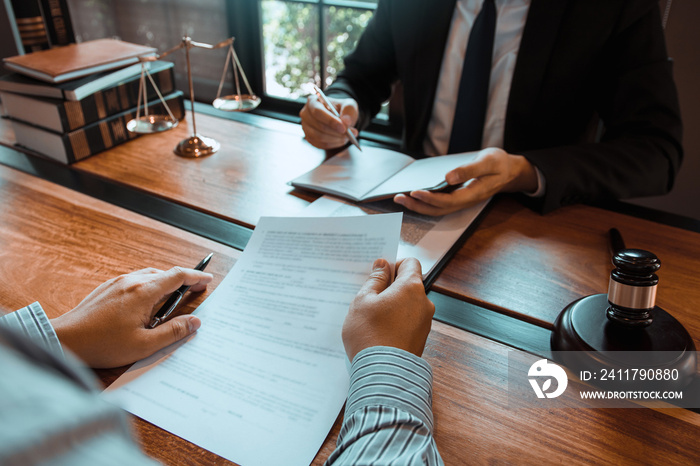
(558, 68)
(52, 412)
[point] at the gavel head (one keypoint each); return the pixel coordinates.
(632, 288)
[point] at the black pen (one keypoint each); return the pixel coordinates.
(171, 303)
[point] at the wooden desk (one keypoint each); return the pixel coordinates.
(518, 263)
(247, 177)
(57, 245)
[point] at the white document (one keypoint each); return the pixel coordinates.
(426, 238)
(264, 378)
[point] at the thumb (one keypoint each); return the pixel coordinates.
(348, 113)
(172, 331)
(379, 279)
(460, 174)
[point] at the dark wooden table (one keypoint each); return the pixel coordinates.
(519, 262)
(57, 245)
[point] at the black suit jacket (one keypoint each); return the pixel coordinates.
(578, 59)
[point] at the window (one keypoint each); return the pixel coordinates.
(281, 43)
(305, 41)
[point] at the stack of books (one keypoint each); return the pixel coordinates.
(71, 102)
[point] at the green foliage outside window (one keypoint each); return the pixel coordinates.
(291, 38)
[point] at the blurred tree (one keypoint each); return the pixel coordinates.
(291, 36)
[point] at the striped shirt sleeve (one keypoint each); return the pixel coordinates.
(32, 322)
(388, 414)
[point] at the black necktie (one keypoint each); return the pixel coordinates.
(470, 112)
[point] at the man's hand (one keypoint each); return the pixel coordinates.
(109, 328)
(322, 128)
(493, 171)
(395, 314)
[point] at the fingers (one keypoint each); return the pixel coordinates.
(480, 177)
(171, 331)
(349, 113)
(322, 128)
(409, 269)
(434, 204)
(481, 167)
(172, 279)
(146, 271)
(321, 118)
(378, 280)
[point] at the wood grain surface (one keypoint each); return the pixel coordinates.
(246, 179)
(518, 262)
(476, 424)
(56, 245)
(531, 266)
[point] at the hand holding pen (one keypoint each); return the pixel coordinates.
(331, 108)
(324, 126)
(110, 327)
(174, 299)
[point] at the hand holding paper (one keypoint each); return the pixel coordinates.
(397, 314)
(267, 367)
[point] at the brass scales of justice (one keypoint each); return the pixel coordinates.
(196, 145)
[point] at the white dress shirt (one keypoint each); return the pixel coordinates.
(510, 22)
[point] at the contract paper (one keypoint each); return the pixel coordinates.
(264, 378)
(424, 237)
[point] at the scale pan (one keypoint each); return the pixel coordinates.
(151, 124)
(237, 103)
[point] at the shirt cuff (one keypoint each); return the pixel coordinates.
(386, 376)
(541, 185)
(33, 322)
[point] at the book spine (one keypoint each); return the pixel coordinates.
(111, 131)
(100, 105)
(58, 22)
(30, 25)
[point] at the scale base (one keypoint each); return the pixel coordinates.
(197, 146)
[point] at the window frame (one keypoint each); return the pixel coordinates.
(245, 23)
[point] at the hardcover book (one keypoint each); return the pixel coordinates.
(63, 116)
(30, 25)
(58, 23)
(75, 89)
(91, 139)
(72, 61)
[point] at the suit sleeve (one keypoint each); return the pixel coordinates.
(371, 69)
(640, 151)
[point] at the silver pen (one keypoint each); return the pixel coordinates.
(332, 109)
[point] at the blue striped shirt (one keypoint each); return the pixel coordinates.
(388, 415)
